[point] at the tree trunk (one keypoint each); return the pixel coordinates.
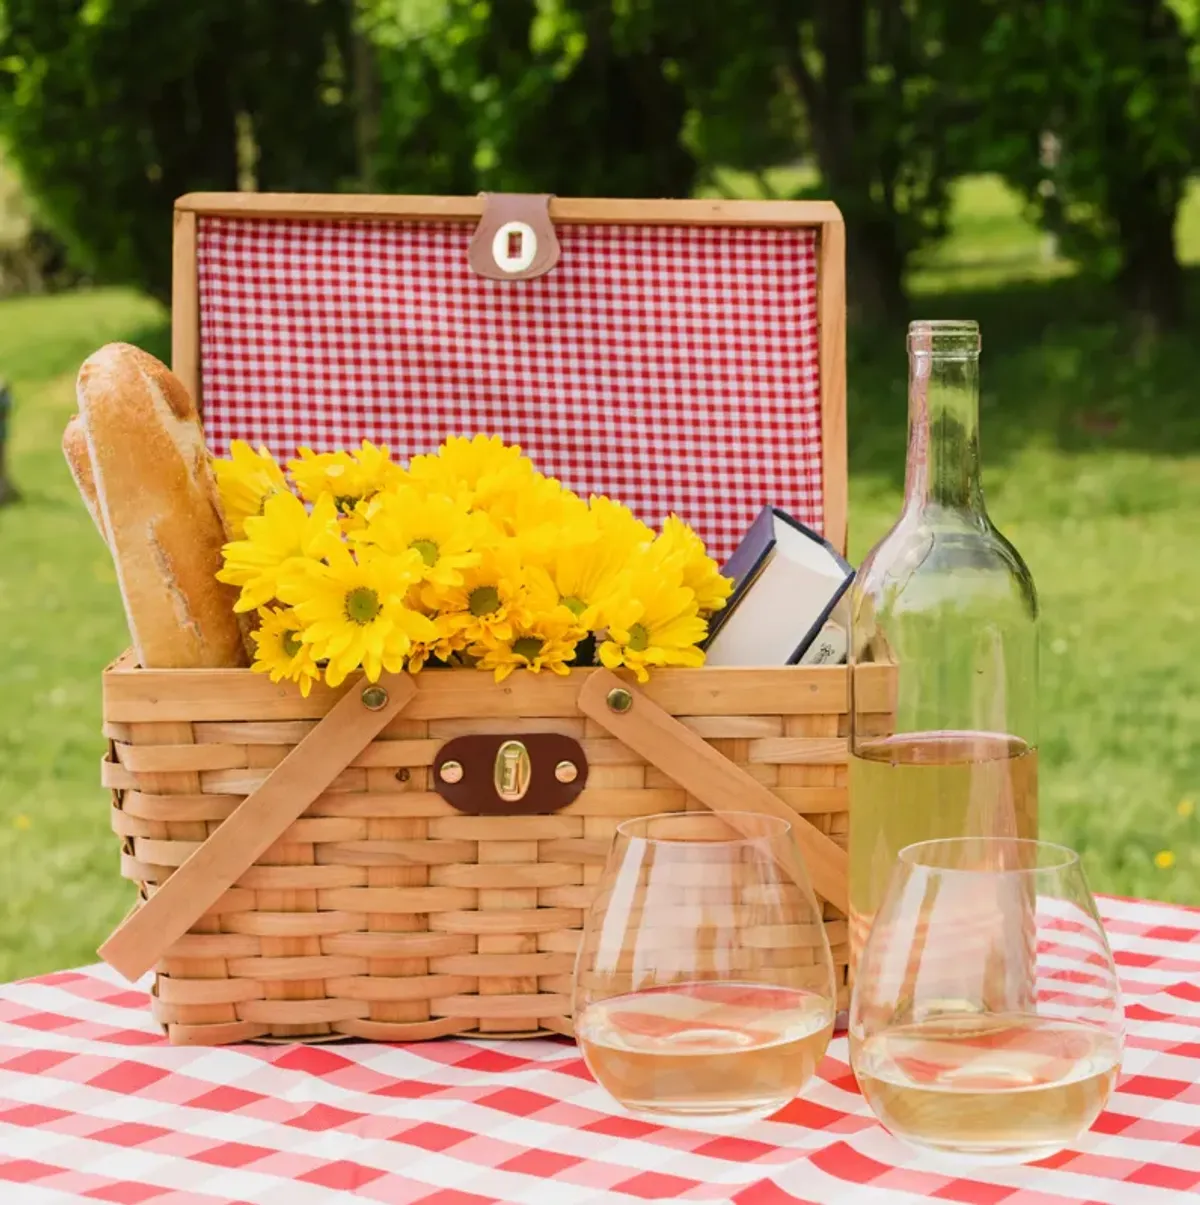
(366, 100)
(874, 271)
(875, 257)
(1145, 191)
(1150, 280)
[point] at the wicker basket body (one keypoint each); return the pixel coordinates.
(300, 874)
(383, 912)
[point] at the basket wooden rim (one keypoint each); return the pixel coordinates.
(133, 694)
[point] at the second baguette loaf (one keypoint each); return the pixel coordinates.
(79, 461)
(160, 510)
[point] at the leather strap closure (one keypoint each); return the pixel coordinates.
(528, 775)
(515, 238)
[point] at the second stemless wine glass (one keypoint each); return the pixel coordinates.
(704, 983)
(986, 1023)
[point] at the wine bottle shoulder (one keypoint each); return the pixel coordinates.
(945, 561)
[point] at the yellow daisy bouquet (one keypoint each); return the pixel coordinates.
(468, 556)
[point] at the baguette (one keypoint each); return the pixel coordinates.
(79, 461)
(158, 503)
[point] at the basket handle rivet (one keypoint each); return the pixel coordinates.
(375, 698)
(619, 700)
(566, 771)
(451, 772)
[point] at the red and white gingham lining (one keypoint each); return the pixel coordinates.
(673, 367)
(95, 1106)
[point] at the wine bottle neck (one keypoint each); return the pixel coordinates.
(943, 432)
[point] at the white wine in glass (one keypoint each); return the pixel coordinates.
(989, 1085)
(711, 1048)
(943, 1068)
(704, 986)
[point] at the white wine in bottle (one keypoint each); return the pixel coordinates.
(926, 786)
(947, 604)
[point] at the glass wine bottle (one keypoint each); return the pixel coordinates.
(944, 646)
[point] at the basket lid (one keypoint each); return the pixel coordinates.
(681, 356)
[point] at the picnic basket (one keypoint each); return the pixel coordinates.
(358, 863)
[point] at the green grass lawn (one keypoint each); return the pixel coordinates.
(1092, 455)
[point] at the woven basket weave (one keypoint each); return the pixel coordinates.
(382, 912)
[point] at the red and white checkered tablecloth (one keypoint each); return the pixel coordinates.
(95, 1106)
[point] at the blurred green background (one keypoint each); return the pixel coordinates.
(1029, 163)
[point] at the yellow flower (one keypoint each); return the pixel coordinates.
(354, 611)
(537, 515)
(1164, 859)
(351, 477)
(22, 823)
(619, 526)
(420, 653)
(245, 482)
(582, 575)
(580, 554)
(545, 641)
(483, 472)
(1185, 808)
(701, 574)
(654, 621)
(285, 530)
(486, 603)
(442, 530)
(280, 652)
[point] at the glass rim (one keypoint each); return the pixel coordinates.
(1068, 858)
(774, 827)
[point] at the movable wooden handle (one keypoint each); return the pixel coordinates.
(255, 824)
(717, 782)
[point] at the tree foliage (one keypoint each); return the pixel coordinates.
(112, 108)
(1089, 108)
(523, 96)
(852, 85)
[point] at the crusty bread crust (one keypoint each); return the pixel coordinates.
(159, 505)
(79, 461)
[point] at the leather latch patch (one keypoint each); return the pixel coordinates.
(515, 238)
(526, 775)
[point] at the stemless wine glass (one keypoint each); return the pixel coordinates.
(704, 985)
(986, 1022)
